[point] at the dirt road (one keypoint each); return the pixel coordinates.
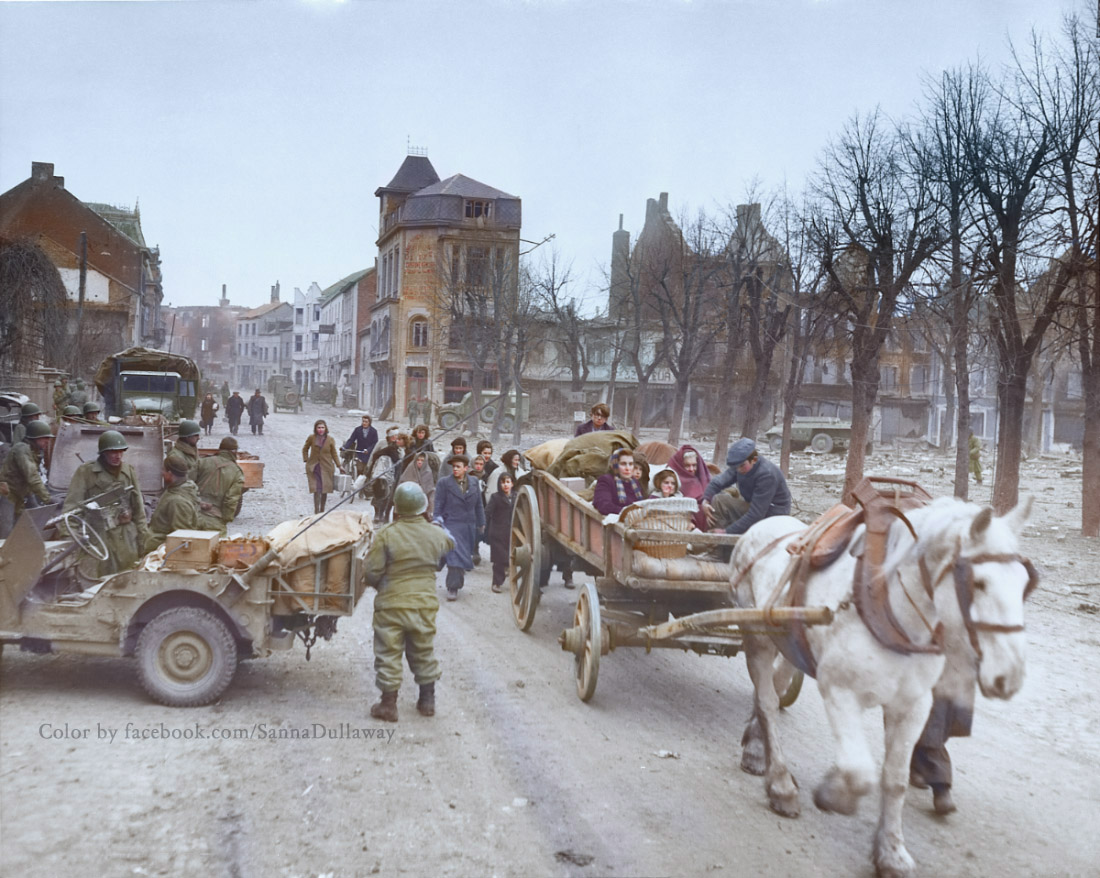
(287, 775)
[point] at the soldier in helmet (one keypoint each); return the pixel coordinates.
(401, 564)
(91, 414)
(20, 474)
(61, 395)
(29, 412)
(178, 508)
(126, 539)
(72, 415)
(187, 447)
(79, 396)
(221, 486)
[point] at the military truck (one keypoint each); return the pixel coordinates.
(140, 381)
(284, 393)
(323, 392)
(448, 415)
(822, 435)
(192, 610)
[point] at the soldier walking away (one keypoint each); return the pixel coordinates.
(178, 508)
(257, 411)
(126, 537)
(401, 564)
(974, 446)
(221, 487)
(21, 474)
(187, 448)
(458, 508)
(234, 408)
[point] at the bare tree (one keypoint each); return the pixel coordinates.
(877, 228)
(636, 341)
(683, 279)
(33, 310)
(548, 280)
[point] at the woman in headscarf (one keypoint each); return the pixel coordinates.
(689, 465)
(322, 460)
(618, 488)
(665, 484)
(419, 471)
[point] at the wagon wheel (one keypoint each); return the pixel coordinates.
(588, 641)
(822, 443)
(525, 553)
(776, 444)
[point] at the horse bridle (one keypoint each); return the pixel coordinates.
(963, 569)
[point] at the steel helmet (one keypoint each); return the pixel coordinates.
(71, 410)
(90, 407)
(189, 428)
(38, 430)
(112, 440)
(409, 499)
(29, 408)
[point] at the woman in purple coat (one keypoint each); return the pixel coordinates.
(619, 488)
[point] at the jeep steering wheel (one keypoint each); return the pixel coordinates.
(85, 536)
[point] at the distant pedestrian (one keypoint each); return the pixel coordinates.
(208, 411)
(257, 411)
(321, 460)
(233, 411)
(498, 527)
(974, 446)
(225, 395)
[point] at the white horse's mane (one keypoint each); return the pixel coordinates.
(938, 524)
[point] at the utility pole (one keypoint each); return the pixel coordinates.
(78, 365)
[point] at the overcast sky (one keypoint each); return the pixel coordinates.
(254, 134)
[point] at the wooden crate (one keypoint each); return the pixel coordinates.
(253, 473)
(191, 549)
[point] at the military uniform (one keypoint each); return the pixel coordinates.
(221, 484)
(974, 448)
(401, 564)
(188, 453)
(178, 509)
(21, 473)
(124, 541)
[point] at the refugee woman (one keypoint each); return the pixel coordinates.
(322, 460)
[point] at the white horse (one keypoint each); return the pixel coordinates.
(963, 572)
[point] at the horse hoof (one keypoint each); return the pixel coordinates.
(828, 799)
(942, 802)
(895, 863)
(785, 806)
(753, 762)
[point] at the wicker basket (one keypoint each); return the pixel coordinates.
(670, 514)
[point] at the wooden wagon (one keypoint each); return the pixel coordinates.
(636, 598)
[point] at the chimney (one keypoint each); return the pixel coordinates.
(275, 293)
(223, 302)
(664, 202)
(41, 170)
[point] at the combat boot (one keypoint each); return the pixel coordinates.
(386, 709)
(426, 703)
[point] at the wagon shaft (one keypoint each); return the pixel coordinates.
(776, 617)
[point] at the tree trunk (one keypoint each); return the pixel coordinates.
(1090, 478)
(959, 339)
(724, 415)
(754, 411)
(1006, 484)
(639, 405)
(865, 378)
(679, 399)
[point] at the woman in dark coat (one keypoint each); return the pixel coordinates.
(207, 412)
(498, 527)
(619, 488)
(322, 460)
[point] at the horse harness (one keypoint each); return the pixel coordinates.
(827, 538)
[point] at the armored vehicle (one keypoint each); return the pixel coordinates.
(820, 434)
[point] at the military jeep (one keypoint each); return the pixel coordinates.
(284, 393)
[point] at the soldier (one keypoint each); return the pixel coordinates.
(29, 412)
(79, 396)
(71, 414)
(225, 394)
(178, 508)
(974, 448)
(221, 485)
(20, 474)
(187, 447)
(60, 395)
(91, 414)
(401, 564)
(127, 537)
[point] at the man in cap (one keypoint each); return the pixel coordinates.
(20, 474)
(234, 408)
(126, 538)
(91, 414)
(402, 562)
(29, 412)
(187, 447)
(220, 484)
(760, 483)
(178, 508)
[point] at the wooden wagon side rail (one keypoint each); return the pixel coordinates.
(573, 522)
